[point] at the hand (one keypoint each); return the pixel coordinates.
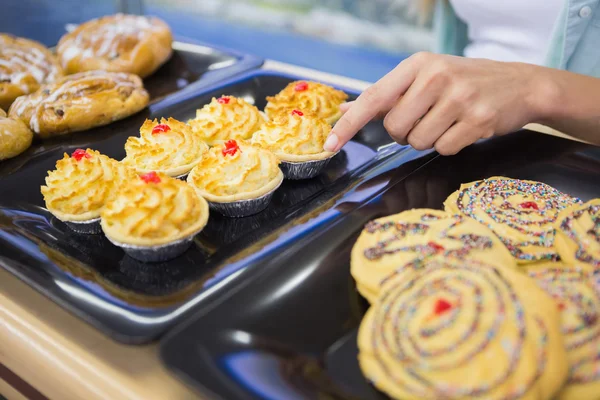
(445, 102)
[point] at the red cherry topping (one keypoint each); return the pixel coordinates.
(79, 154)
(231, 147)
(161, 128)
(150, 177)
(298, 113)
(301, 87)
(224, 100)
(437, 247)
(441, 306)
(529, 204)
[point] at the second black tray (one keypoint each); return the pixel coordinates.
(135, 302)
(290, 333)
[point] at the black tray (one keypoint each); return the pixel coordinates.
(291, 332)
(195, 65)
(135, 302)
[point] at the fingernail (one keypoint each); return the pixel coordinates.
(331, 143)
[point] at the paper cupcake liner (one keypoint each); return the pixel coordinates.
(243, 208)
(150, 254)
(304, 169)
(89, 227)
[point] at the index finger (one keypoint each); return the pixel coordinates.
(376, 98)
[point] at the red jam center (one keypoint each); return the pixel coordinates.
(442, 306)
(561, 306)
(301, 87)
(437, 247)
(224, 100)
(298, 113)
(79, 154)
(529, 204)
(231, 147)
(150, 177)
(161, 128)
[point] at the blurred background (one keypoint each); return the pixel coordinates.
(362, 39)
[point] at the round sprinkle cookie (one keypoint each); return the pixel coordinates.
(460, 329)
(522, 213)
(408, 239)
(578, 234)
(577, 296)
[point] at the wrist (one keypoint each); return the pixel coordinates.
(544, 94)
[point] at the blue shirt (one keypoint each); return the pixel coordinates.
(574, 46)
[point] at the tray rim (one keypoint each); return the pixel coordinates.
(175, 315)
(168, 342)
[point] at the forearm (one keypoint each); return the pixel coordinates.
(568, 102)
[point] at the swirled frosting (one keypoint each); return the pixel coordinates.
(226, 118)
(460, 329)
(150, 212)
(169, 146)
(24, 66)
(408, 240)
(295, 136)
(578, 234)
(522, 213)
(316, 98)
(577, 295)
(245, 173)
(82, 183)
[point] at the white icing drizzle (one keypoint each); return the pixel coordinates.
(103, 39)
(18, 63)
(72, 89)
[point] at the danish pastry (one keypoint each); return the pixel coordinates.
(295, 136)
(226, 118)
(577, 295)
(459, 329)
(522, 213)
(24, 66)
(81, 101)
(169, 147)
(578, 234)
(407, 240)
(316, 98)
(119, 43)
(82, 183)
(15, 136)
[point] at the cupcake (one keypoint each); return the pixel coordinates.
(169, 147)
(226, 118)
(317, 98)
(78, 189)
(237, 179)
(297, 139)
(154, 218)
